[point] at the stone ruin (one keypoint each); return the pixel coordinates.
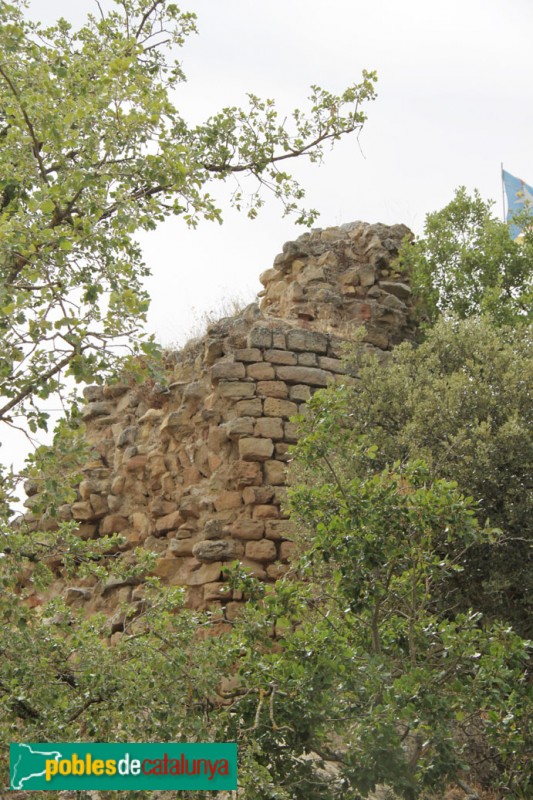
(195, 470)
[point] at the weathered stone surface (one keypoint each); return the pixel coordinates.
(246, 473)
(227, 500)
(114, 584)
(128, 436)
(227, 370)
(313, 341)
(159, 507)
(276, 571)
(177, 421)
(136, 463)
(401, 290)
(217, 591)
(248, 354)
(180, 548)
(98, 409)
(277, 529)
(262, 551)
(260, 337)
(299, 393)
(170, 522)
(290, 432)
(114, 503)
(275, 407)
(77, 594)
(214, 550)
(207, 573)
(306, 375)
(98, 505)
(114, 523)
(273, 388)
(332, 364)
(240, 426)
(261, 371)
(367, 275)
(307, 359)
(249, 408)
(275, 472)
(286, 550)
(256, 449)
(236, 390)
(247, 529)
(112, 391)
(93, 394)
(266, 512)
(253, 495)
(281, 357)
(269, 427)
(213, 350)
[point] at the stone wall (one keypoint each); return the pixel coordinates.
(195, 470)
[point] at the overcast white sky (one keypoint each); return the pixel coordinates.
(454, 101)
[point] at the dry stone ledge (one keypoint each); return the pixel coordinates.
(196, 472)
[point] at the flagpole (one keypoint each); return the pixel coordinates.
(503, 193)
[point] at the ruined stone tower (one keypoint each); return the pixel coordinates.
(197, 472)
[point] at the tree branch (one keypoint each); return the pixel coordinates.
(36, 149)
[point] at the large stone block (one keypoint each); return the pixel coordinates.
(277, 529)
(207, 573)
(253, 495)
(236, 390)
(113, 523)
(269, 427)
(263, 551)
(177, 421)
(247, 529)
(240, 426)
(170, 522)
(301, 340)
(332, 364)
(299, 393)
(266, 512)
(260, 337)
(246, 473)
(307, 375)
(217, 591)
(275, 473)
(228, 370)
(401, 290)
(228, 500)
(99, 505)
(286, 551)
(261, 371)
(181, 548)
(273, 388)
(83, 511)
(308, 359)
(211, 550)
(291, 432)
(256, 449)
(275, 407)
(248, 354)
(99, 409)
(280, 357)
(249, 408)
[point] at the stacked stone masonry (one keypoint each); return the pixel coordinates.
(195, 471)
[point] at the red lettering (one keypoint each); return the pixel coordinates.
(148, 771)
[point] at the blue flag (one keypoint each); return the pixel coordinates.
(519, 197)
